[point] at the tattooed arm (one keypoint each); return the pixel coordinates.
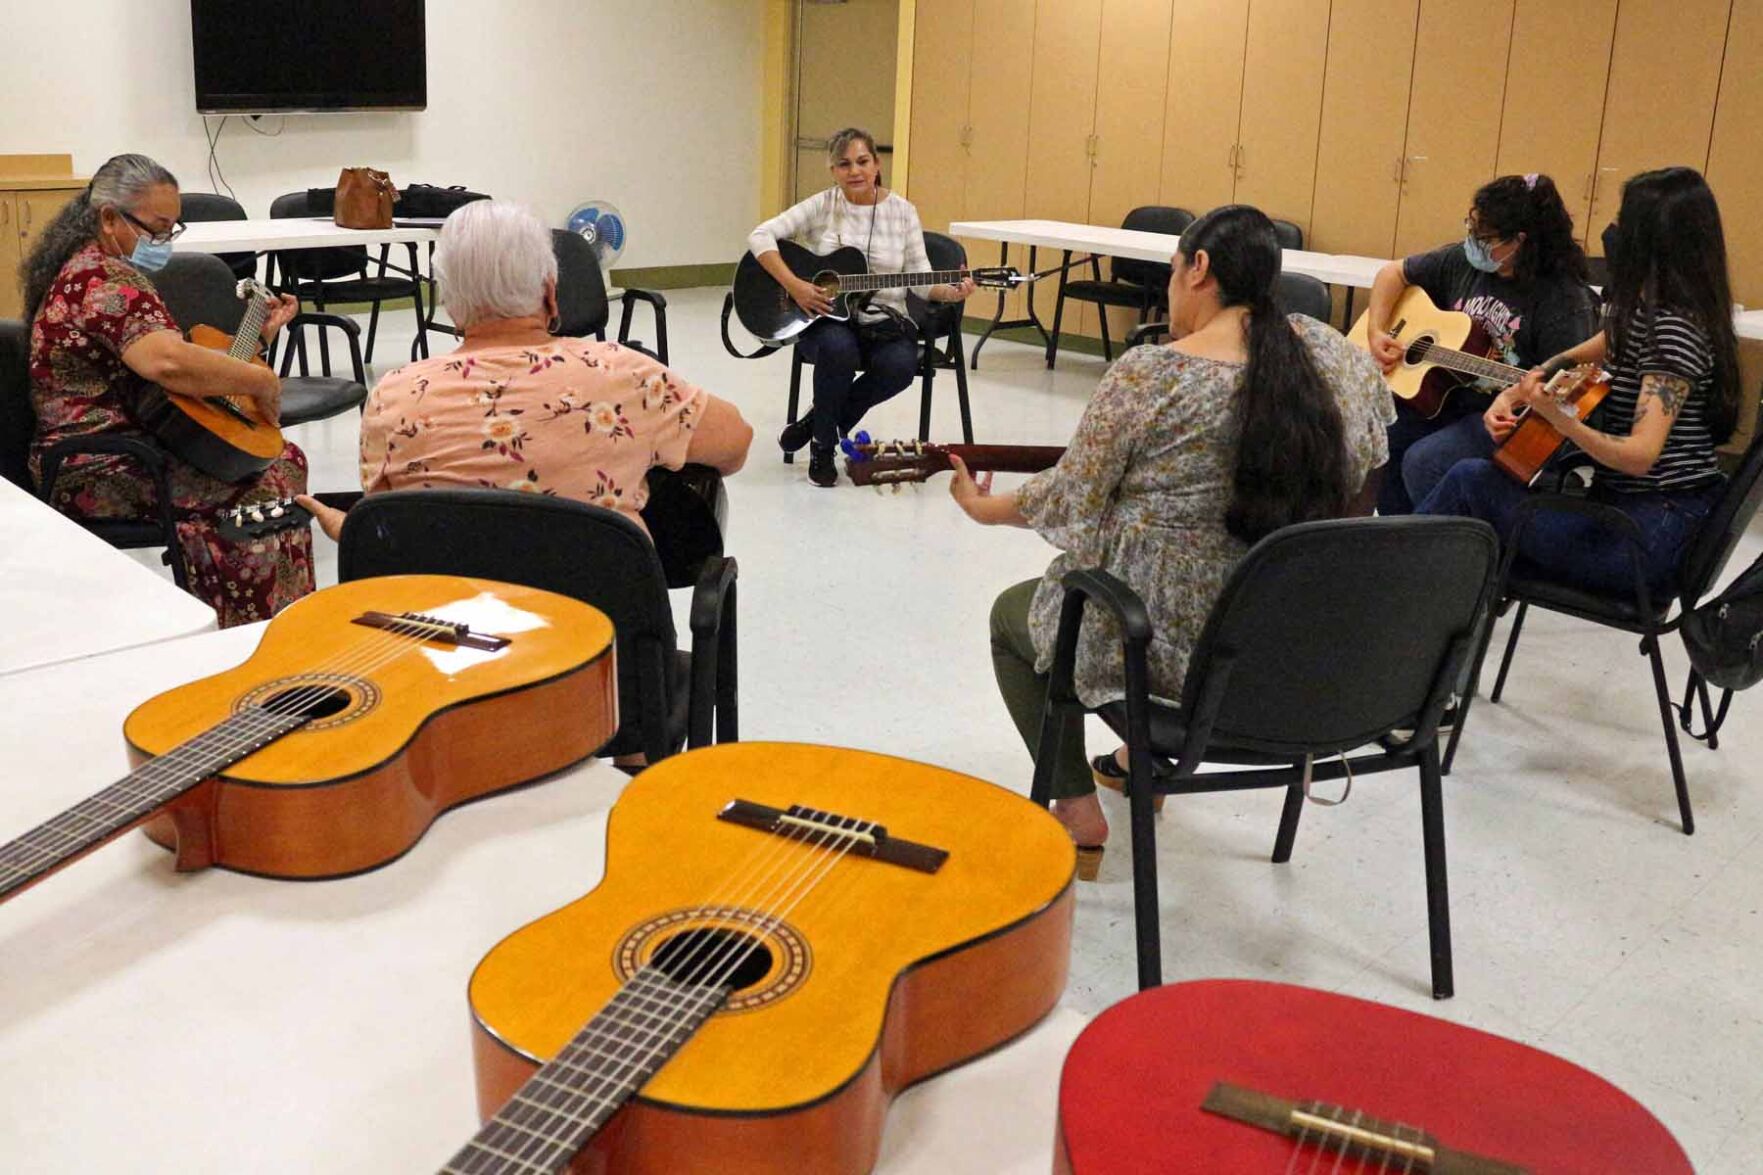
(1662, 396)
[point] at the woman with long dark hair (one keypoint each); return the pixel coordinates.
(1520, 274)
(1248, 421)
(1669, 347)
(99, 336)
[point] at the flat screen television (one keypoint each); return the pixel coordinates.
(309, 55)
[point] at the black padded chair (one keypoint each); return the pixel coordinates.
(18, 425)
(1328, 638)
(1638, 612)
(940, 344)
(582, 305)
(666, 697)
(199, 288)
(1289, 234)
(339, 274)
(205, 206)
(1298, 294)
(1135, 285)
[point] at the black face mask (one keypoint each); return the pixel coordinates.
(1611, 238)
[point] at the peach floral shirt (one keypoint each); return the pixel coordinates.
(574, 417)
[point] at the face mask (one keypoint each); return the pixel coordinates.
(1480, 256)
(148, 256)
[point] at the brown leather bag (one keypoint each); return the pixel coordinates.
(364, 198)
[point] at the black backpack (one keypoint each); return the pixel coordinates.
(431, 200)
(1724, 636)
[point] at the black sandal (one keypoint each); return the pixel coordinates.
(1108, 773)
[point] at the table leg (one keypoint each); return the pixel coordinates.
(1347, 314)
(998, 322)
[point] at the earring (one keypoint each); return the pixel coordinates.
(554, 325)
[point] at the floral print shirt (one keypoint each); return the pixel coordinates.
(575, 418)
(1142, 491)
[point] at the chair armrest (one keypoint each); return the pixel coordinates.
(713, 654)
(1149, 333)
(320, 320)
(140, 448)
(657, 306)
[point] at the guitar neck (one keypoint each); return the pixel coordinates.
(574, 1094)
(1469, 364)
(135, 797)
(249, 337)
(860, 283)
(1006, 458)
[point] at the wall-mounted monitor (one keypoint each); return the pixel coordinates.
(309, 55)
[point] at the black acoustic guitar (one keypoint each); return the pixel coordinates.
(768, 312)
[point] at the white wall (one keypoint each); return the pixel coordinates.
(652, 104)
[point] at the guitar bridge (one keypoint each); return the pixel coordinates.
(854, 836)
(226, 405)
(432, 628)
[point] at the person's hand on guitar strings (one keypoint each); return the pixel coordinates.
(1533, 392)
(1383, 347)
(280, 314)
(958, 291)
(810, 297)
(1502, 416)
(964, 489)
(329, 518)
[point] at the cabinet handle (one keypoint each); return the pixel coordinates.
(1238, 165)
(26, 226)
(1597, 182)
(5, 211)
(1396, 170)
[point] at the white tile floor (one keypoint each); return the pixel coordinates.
(1584, 921)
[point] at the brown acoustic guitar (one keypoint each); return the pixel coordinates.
(785, 937)
(1533, 442)
(225, 437)
(1442, 350)
(366, 711)
(896, 463)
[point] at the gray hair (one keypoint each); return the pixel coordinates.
(835, 146)
(119, 182)
(493, 260)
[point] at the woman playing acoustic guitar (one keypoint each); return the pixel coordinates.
(99, 336)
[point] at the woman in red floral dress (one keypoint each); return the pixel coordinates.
(99, 336)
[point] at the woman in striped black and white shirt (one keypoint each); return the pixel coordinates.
(1669, 347)
(879, 340)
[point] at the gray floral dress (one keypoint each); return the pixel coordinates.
(1142, 491)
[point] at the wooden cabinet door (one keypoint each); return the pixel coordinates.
(1283, 64)
(997, 141)
(1364, 126)
(1460, 52)
(1735, 163)
(35, 209)
(1130, 95)
(11, 296)
(1062, 108)
(1555, 79)
(1204, 103)
(942, 45)
(1659, 106)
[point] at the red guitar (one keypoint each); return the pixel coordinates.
(1230, 1075)
(899, 462)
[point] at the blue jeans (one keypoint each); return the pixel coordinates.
(1413, 431)
(1574, 549)
(841, 396)
(1430, 458)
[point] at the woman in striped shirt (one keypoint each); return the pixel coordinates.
(880, 340)
(1669, 347)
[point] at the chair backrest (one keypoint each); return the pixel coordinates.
(1706, 557)
(200, 288)
(1299, 293)
(309, 265)
(936, 319)
(203, 206)
(1289, 234)
(557, 544)
(1331, 634)
(581, 287)
(18, 416)
(1151, 218)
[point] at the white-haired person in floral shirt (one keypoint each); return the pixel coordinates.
(515, 407)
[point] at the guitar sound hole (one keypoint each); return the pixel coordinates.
(316, 702)
(1417, 349)
(704, 954)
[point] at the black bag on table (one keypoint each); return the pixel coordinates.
(423, 201)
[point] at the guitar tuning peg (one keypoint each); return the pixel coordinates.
(256, 514)
(276, 511)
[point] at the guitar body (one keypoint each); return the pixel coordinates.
(1419, 325)
(1474, 1091)
(1533, 443)
(881, 977)
(226, 440)
(766, 309)
(432, 728)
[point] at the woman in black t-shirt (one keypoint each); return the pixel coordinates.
(1521, 275)
(1669, 346)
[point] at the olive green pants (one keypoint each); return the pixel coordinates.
(1025, 691)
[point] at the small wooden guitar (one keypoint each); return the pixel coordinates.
(223, 436)
(1441, 351)
(1530, 446)
(768, 312)
(785, 937)
(898, 463)
(366, 711)
(1233, 1076)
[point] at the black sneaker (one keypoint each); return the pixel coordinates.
(822, 470)
(796, 434)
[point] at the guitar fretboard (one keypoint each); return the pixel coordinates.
(560, 1107)
(1430, 352)
(250, 333)
(137, 795)
(858, 283)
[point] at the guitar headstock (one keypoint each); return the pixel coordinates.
(244, 523)
(997, 277)
(894, 463)
(250, 289)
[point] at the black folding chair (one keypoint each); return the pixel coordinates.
(1328, 640)
(1134, 285)
(583, 306)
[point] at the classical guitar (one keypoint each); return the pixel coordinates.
(768, 312)
(1441, 350)
(785, 937)
(1530, 446)
(896, 463)
(366, 710)
(223, 436)
(1235, 1075)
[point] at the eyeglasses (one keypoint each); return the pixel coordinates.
(157, 236)
(1487, 239)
